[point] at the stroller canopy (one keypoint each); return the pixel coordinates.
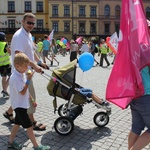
(67, 72)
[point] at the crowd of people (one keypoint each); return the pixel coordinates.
(27, 55)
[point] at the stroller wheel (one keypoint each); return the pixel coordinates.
(64, 125)
(62, 110)
(101, 119)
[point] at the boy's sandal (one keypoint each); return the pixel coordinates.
(8, 116)
(38, 127)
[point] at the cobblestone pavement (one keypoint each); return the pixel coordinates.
(86, 135)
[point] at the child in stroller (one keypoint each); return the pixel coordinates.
(89, 93)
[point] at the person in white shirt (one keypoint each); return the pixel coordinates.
(85, 47)
(20, 97)
(22, 42)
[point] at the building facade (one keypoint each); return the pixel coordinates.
(69, 18)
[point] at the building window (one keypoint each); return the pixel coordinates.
(66, 27)
(39, 6)
(28, 6)
(107, 11)
(117, 27)
(11, 6)
(148, 12)
(11, 24)
(55, 10)
(93, 27)
(66, 11)
(93, 11)
(81, 10)
(107, 28)
(55, 26)
(117, 11)
(81, 27)
(40, 23)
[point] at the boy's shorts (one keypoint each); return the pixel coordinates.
(86, 92)
(5, 70)
(140, 109)
(22, 118)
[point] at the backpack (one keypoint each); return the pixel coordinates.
(96, 50)
(55, 50)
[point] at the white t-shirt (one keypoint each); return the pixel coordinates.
(16, 83)
(73, 47)
(22, 41)
(85, 48)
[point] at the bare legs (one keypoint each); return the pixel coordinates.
(136, 142)
(96, 98)
(5, 83)
(30, 134)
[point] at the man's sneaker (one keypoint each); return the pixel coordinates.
(5, 94)
(42, 147)
(15, 145)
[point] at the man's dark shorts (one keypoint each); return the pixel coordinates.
(5, 70)
(140, 109)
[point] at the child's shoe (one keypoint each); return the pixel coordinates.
(15, 145)
(42, 147)
(106, 105)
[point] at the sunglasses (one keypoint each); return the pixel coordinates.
(30, 23)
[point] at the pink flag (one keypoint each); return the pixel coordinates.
(79, 40)
(125, 81)
(68, 45)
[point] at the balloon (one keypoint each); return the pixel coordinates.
(61, 43)
(108, 38)
(68, 45)
(64, 41)
(110, 45)
(86, 61)
(57, 42)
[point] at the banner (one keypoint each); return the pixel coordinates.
(125, 82)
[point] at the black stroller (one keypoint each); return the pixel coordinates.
(62, 84)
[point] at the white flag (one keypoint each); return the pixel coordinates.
(50, 37)
(114, 41)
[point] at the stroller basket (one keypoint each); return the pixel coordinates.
(66, 75)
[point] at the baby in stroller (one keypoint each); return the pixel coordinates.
(89, 93)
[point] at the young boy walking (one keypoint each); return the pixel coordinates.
(19, 96)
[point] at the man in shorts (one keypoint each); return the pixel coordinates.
(140, 110)
(46, 48)
(22, 42)
(5, 66)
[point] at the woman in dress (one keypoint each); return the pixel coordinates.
(73, 50)
(53, 52)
